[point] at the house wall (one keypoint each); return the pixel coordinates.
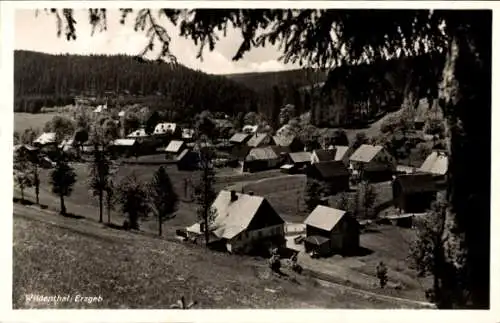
(248, 238)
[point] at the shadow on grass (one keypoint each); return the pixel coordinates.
(360, 252)
(370, 230)
(22, 201)
(114, 226)
(73, 216)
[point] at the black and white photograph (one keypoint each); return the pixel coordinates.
(251, 155)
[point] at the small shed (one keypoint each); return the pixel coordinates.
(414, 193)
(330, 230)
(298, 161)
(373, 163)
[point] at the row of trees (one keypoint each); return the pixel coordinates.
(136, 198)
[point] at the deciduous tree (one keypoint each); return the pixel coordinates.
(62, 179)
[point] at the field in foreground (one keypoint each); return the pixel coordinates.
(54, 255)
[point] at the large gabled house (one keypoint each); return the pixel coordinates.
(243, 223)
(330, 230)
(322, 155)
(372, 163)
(263, 158)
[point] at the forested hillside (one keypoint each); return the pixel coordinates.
(48, 80)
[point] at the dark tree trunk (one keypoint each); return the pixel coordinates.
(109, 212)
(465, 96)
(63, 207)
(100, 205)
(160, 225)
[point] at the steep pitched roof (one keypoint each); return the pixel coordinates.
(331, 169)
(325, 155)
(300, 157)
(325, 218)
(436, 163)
(341, 152)
(257, 139)
(174, 146)
(262, 153)
(239, 137)
(233, 217)
(283, 140)
(365, 153)
(417, 183)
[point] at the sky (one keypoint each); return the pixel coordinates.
(39, 33)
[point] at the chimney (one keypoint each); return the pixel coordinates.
(234, 197)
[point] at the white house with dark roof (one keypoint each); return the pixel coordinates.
(330, 230)
(242, 222)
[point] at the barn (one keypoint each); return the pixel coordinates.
(414, 193)
(330, 230)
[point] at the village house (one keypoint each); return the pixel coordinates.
(293, 143)
(138, 134)
(239, 138)
(263, 158)
(251, 129)
(243, 223)
(125, 147)
(45, 139)
(436, 164)
(334, 174)
(330, 230)
(322, 155)
(28, 151)
(296, 162)
(166, 129)
(187, 134)
(188, 160)
(174, 148)
(284, 130)
(414, 193)
(260, 140)
(372, 163)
